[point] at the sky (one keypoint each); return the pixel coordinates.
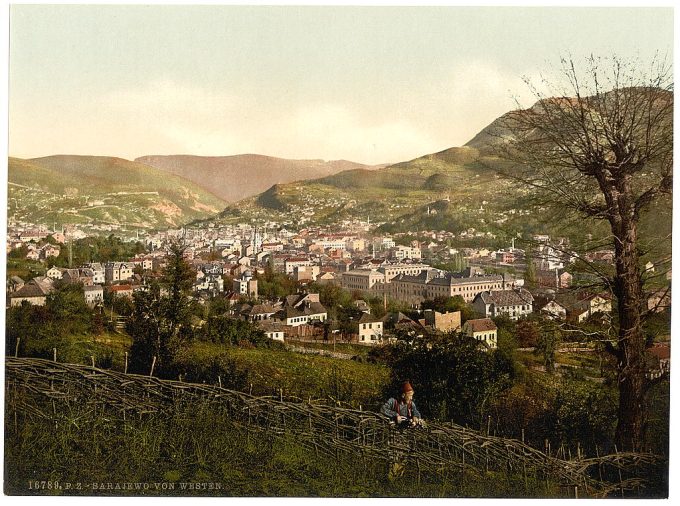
(367, 84)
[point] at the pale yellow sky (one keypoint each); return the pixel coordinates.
(368, 84)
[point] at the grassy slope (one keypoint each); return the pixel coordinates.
(303, 376)
(178, 200)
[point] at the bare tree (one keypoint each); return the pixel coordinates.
(600, 147)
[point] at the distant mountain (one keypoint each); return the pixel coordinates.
(97, 190)
(235, 177)
(457, 189)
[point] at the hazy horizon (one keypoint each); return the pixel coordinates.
(366, 84)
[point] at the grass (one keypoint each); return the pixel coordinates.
(196, 444)
(267, 371)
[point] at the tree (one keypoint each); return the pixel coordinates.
(601, 148)
(454, 377)
(160, 325)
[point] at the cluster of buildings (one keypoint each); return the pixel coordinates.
(228, 259)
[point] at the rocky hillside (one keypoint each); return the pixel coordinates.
(103, 191)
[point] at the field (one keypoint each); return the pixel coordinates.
(75, 430)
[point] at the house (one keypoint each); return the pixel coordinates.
(117, 271)
(302, 309)
(257, 312)
(209, 283)
(370, 329)
(554, 310)
(659, 360)
(432, 283)
(93, 295)
(443, 322)
(121, 290)
(49, 250)
(87, 276)
(326, 277)
(14, 283)
(306, 273)
(553, 279)
(581, 306)
(505, 257)
(484, 330)
(54, 272)
(34, 292)
(98, 272)
(290, 263)
(146, 263)
(401, 253)
(59, 237)
(246, 285)
(32, 255)
(272, 330)
(362, 306)
(73, 276)
(513, 303)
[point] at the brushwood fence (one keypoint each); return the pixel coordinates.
(39, 387)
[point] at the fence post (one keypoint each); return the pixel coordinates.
(92, 357)
(54, 354)
(219, 380)
(616, 450)
(153, 364)
(126, 362)
(16, 350)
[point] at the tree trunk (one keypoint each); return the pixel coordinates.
(631, 342)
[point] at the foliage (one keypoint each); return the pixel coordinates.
(222, 329)
(96, 249)
(528, 333)
(42, 328)
(275, 285)
(453, 377)
(600, 149)
(564, 412)
(160, 325)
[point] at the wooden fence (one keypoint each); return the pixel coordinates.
(37, 387)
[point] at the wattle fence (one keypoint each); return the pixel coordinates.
(40, 388)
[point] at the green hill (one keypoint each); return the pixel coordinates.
(94, 190)
(403, 198)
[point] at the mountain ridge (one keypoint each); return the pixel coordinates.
(223, 175)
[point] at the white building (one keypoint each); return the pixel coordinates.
(93, 295)
(118, 271)
(401, 253)
(513, 303)
(483, 330)
(245, 285)
(370, 329)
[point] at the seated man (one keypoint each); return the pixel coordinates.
(403, 411)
